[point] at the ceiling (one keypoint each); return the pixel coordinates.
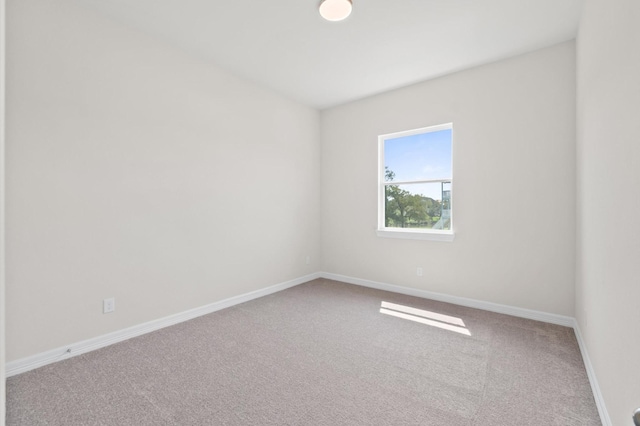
(384, 44)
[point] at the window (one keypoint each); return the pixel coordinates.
(415, 184)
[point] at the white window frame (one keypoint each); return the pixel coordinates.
(411, 233)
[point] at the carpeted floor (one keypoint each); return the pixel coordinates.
(321, 353)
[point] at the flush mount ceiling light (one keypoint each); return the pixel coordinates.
(335, 10)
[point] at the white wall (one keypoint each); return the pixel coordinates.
(135, 172)
(514, 184)
(2, 191)
(608, 290)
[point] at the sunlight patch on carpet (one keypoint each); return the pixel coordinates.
(421, 316)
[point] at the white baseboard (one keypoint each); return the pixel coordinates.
(595, 388)
(462, 301)
(494, 307)
(65, 352)
(48, 357)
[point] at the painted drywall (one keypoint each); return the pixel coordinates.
(608, 199)
(514, 184)
(136, 172)
(2, 191)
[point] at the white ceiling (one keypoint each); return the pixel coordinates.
(384, 44)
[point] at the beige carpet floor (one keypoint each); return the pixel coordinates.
(321, 353)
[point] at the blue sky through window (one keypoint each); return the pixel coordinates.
(423, 156)
(419, 157)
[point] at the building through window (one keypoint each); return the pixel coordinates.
(416, 182)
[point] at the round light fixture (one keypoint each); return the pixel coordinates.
(335, 10)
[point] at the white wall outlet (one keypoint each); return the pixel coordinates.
(419, 272)
(108, 305)
(308, 260)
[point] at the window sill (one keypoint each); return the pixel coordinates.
(414, 234)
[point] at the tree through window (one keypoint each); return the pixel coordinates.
(416, 180)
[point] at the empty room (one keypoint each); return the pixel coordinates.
(320, 212)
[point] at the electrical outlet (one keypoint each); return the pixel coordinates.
(419, 272)
(108, 305)
(308, 260)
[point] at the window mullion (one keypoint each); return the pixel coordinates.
(408, 182)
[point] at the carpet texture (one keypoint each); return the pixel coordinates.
(321, 353)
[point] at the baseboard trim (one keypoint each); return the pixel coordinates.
(39, 360)
(591, 374)
(456, 300)
(494, 307)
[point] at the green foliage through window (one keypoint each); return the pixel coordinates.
(416, 179)
(406, 210)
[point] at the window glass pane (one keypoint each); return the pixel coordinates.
(419, 205)
(418, 157)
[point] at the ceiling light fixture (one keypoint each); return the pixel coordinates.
(335, 10)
